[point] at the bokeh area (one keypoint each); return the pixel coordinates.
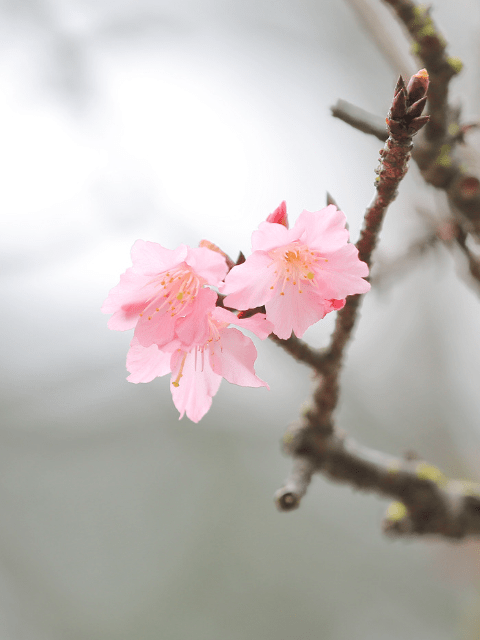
(175, 122)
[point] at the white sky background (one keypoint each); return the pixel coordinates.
(174, 122)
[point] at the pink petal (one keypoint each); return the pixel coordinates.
(136, 289)
(323, 230)
(225, 316)
(234, 359)
(159, 327)
(270, 236)
(295, 311)
(150, 258)
(197, 385)
(248, 285)
(257, 324)
(156, 327)
(146, 363)
(195, 328)
(341, 274)
(128, 299)
(208, 264)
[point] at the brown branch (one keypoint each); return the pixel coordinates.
(314, 443)
(288, 497)
(445, 171)
(403, 122)
(428, 502)
(301, 351)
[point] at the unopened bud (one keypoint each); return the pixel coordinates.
(279, 216)
(394, 126)
(417, 123)
(399, 86)
(399, 105)
(418, 86)
(417, 107)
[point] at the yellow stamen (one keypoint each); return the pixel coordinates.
(176, 382)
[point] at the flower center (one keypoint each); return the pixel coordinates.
(179, 287)
(295, 264)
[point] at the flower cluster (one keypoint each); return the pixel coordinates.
(166, 297)
(298, 274)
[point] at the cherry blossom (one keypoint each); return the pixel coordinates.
(299, 274)
(163, 286)
(197, 369)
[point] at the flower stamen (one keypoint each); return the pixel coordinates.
(176, 382)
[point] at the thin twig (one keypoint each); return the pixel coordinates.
(360, 119)
(301, 351)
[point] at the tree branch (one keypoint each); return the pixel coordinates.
(435, 151)
(429, 503)
(403, 123)
(426, 501)
(301, 351)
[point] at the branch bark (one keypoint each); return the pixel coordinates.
(426, 502)
(403, 123)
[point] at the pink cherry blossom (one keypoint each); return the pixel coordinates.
(299, 274)
(198, 369)
(163, 286)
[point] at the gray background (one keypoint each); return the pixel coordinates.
(174, 122)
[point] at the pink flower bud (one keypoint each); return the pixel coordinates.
(418, 86)
(279, 216)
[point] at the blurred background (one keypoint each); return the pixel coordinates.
(174, 122)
